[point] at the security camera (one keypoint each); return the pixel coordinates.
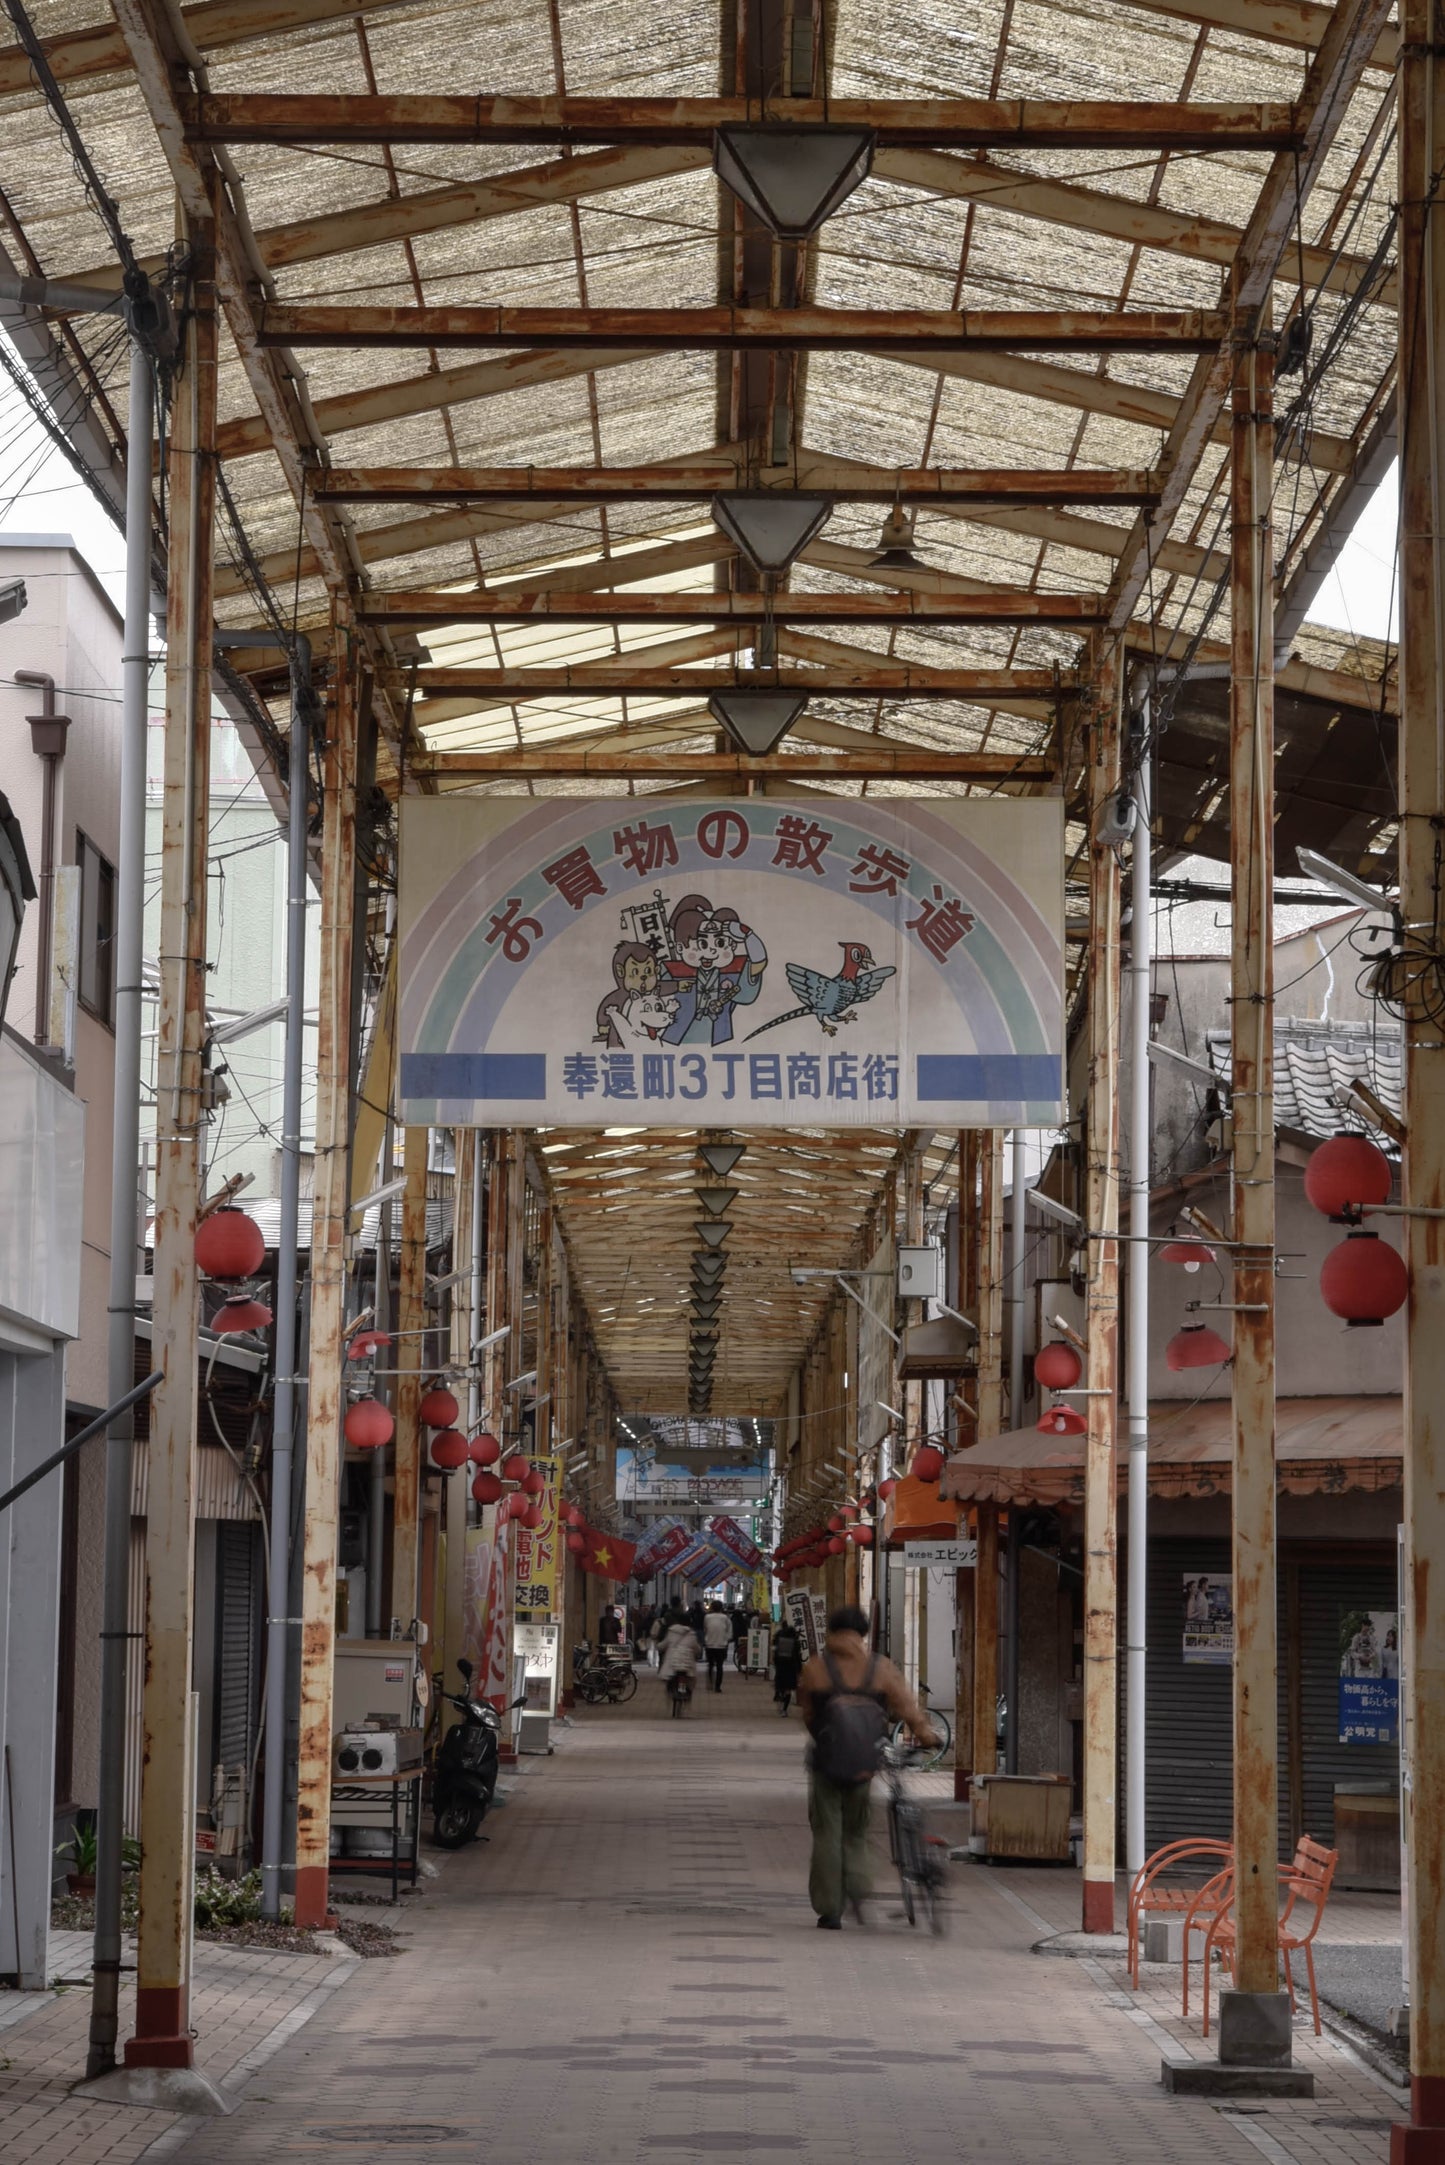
(1116, 821)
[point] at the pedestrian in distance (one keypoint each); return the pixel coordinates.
(848, 1696)
(609, 1628)
(741, 1619)
(695, 1618)
(679, 1650)
(787, 1661)
(717, 1637)
(656, 1633)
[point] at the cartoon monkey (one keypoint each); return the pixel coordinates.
(634, 970)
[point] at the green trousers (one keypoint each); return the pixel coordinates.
(839, 1815)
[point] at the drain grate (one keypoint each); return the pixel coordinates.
(399, 2131)
(1360, 2123)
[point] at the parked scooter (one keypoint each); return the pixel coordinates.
(464, 1779)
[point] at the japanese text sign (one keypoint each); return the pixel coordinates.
(763, 962)
(536, 1589)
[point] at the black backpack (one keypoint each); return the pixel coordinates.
(851, 1728)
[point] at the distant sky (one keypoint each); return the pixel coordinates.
(39, 494)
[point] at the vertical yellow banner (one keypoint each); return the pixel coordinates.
(537, 1546)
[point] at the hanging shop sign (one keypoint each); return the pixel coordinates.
(940, 1555)
(1369, 1676)
(660, 1549)
(808, 1614)
(760, 962)
(736, 1544)
(537, 1548)
(1208, 1620)
(643, 1478)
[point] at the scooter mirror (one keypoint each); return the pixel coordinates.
(520, 1702)
(466, 1668)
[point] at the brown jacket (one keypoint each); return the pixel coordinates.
(851, 1656)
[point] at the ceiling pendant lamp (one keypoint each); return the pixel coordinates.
(1189, 1252)
(720, 1158)
(240, 1313)
(756, 721)
(715, 1201)
(1062, 1421)
(770, 527)
(1196, 1346)
(792, 178)
(895, 544)
(712, 1232)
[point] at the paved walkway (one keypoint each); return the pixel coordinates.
(629, 1971)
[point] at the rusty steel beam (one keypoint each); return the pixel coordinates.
(410, 1316)
(865, 330)
(1422, 820)
(963, 123)
(1101, 1374)
(76, 55)
(163, 2032)
(696, 480)
(1334, 75)
(1251, 871)
(888, 762)
(633, 676)
(519, 605)
(329, 1213)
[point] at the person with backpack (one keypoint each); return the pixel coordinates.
(787, 1660)
(849, 1697)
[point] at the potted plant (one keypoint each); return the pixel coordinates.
(79, 1853)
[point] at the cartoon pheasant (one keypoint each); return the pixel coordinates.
(831, 1000)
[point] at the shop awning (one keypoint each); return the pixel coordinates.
(1323, 1447)
(916, 1511)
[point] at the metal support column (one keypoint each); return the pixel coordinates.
(411, 1344)
(1137, 1287)
(163, 2036)
(966, 1295)
(990, 1425)
(1018, 1316)
(124, 1211)
(1254, 2026)
(329, 1212)
(1101, 1208)
(456, 1488)
(1422, 822)
(283, 1423)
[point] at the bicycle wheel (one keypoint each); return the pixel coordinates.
(592, 1686)
(623, 1686)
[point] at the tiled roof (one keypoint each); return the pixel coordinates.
(1315, 1061)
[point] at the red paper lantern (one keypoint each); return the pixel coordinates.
(365, 1343)
(1344, 1175)
(927, 1463)
(576, 1542)
(861, 1536)
(515, 1466)
(484, 1449)
(368, 1424)
(574, 1514)
(1058, 1365)
(1196, 1346)
(850, 1512)
(835, 1544)
(229, 1245)
(531, 1516)
(1189, 1253)
(836, 1523)
(534, 1482)
(449, 1449)
(438, 1408)
(1364, 1280)
(240, 1314)
(886, 1488)
(486, 1488)
(1062, 1421)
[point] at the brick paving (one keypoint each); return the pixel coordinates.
(629, 1970)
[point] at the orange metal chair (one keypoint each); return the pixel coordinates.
(1307, 1879)
(1147, 1898)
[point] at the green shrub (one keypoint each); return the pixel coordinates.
(226, 1901)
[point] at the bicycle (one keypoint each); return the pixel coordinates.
(605, 1682)
(921, 1857)
(929, 1755)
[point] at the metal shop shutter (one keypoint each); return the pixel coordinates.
(237, 1589)
(1325, 1589)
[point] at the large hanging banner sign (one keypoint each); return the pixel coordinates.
(758, 962)
(535, 1595)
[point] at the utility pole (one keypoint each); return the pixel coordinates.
(1137, 1285)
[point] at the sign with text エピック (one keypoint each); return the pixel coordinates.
(758, 962)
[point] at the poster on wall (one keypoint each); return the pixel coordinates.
(537, 1548)
(1208, 1619)
(1369, 1676)
(758, 961)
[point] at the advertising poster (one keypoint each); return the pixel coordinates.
(537, 1549)
(1369, 1676)
(755, 961)
(1208, 1619)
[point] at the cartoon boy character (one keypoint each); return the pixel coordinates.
(717, 965)
(634, 971)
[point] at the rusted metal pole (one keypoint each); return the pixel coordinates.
(1422, 816)
(990, 1424)
(1101, 1190)
(456, 1488)
(1254, 2025)
(329, 1213)
(163, 2036)
(966, 1295)
(411, 1317)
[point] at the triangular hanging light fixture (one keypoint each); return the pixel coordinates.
(715, 1200)
(792, 178)
(769, 526)
(720, 1158)
(713, 1231)
(707, 1270)
(756, 721)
